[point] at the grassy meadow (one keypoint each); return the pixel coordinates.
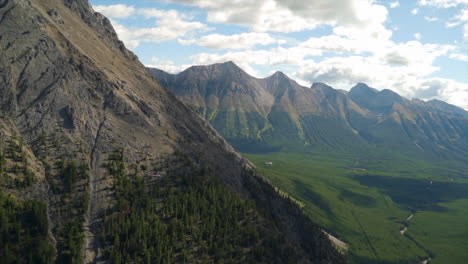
(366, 203)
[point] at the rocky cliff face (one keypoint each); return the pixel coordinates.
(72, 92)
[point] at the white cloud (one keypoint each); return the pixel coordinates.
(377, 33)
(459, 56)
(465, 32)
(451, 91)
(115, 11)
(463, 15)
(342, 73)
(442, 3)
(417, 36)
(341, 43)
(295, 15)
(431, 19)
(125, 35)
(166, 65)
(244, 59)
(460, 18)
(238, 41)
(402, 67)
(169, 25)
(411, 60)
(414, 11)
(394, 4)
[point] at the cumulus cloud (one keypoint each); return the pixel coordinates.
(168, 24)
(342, 73)
(401, 67)
(395, 58)
(431, 19)
(465, 32)
(238, 41)
(247, 58)
(345, 42)
(384, 72)
(293, 15)
(125, 35)
(442, 3)
(447, 90)
(459, 56)
(418, 54)
(244, 59)
(166, 65)
(115, 11)
(394, 4)
(417, 36)
(460, 18)
(415, 11)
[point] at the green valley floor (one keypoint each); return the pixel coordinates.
(394, 211)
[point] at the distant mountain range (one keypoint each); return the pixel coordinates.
(277, 113)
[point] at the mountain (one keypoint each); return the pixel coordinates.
(100, 163)
(277, 113)
(249, 112)
(234, 103)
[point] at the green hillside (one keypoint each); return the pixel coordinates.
(367, 204)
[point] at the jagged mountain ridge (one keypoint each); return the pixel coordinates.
(320, 115)
(72, 91)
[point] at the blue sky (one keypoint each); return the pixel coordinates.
(416, 48)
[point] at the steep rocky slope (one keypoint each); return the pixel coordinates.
(319, 116)
(73, 95)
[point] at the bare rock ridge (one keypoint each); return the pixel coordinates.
(72, 92)
(319, 117)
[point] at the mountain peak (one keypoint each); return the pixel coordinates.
(229, 63)
(229, 66)
(320, 85)
(362, 87)
(362, 90)
(279, 74)
(218, 70)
